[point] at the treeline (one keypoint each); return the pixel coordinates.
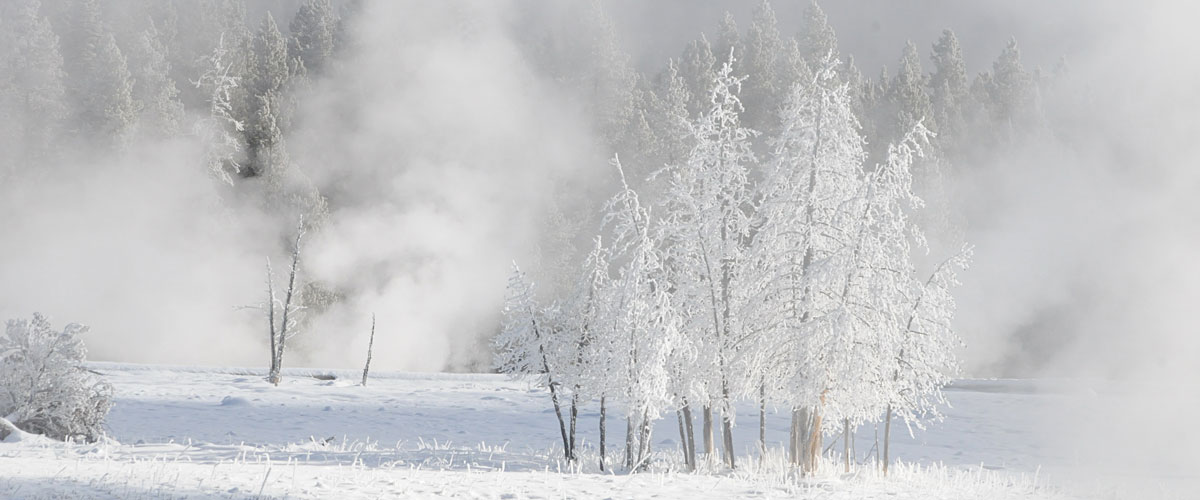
(973, 116)
(84, 77)
(767, 242)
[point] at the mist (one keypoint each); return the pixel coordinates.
(440, 139)
(447, 140)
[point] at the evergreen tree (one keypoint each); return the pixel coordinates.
(100, 87)
(909, 101)
(155, 93)
(266, 75)
(31, 86)
(950, 90)
(1011, 89)
(817, 38)
(313, 32)
(729, 39)
(192, 41)
(764, 49)
(697, 68)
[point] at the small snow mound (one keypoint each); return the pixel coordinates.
(234, 401)
(9, 433)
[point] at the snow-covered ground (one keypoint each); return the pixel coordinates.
(203, 432)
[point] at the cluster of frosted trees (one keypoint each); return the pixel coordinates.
(786, 278)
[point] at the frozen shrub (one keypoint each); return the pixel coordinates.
(44, 386)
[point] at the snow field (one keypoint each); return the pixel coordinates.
(225, 433)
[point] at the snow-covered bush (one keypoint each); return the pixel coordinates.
(44, 386)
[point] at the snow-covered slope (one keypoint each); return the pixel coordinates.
(203, 432)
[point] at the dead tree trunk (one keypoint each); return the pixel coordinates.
(370, 346)
(271, 317)
(287, 304)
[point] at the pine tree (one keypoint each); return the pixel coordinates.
(697, 68)
(32, 94)
(817, 38)
(267, 74)
(100, 86)
(154, 92)
(313, 33)
(762, 66)
(729, 41)
(202, 24)
(950, 90)
(1011, 89)
(907, 94)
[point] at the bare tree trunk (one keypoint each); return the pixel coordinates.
(287, 303)
(727, 436)
(683, 445)
(808, 438)
(707, 431)
(603, 416)
(271, 317)
(370, 346)
(574, 418)
(762, 419)
(630, 436)
(887, 434)
(562, 428)
(643, 459)
(691, 438)
(846, 442)
(793, 435)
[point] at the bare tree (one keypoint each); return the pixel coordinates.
(370, 345)
(287, 326)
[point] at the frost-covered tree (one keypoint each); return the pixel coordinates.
(219, 131)
(1011, 90)
(697, 68)
(924, 358)
(524, 345)
(45, 388)
(728, 40)
(288, 307)
(32, 95)
(99, 85)
(266, 76)
(707, 227)
(313, 31)
(645, 330)
(764, 48)
(814, 174)
(950, 90)
(817, 38)
(159, 109)
(909, 102)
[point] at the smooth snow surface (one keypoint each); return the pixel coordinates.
(184, 432)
